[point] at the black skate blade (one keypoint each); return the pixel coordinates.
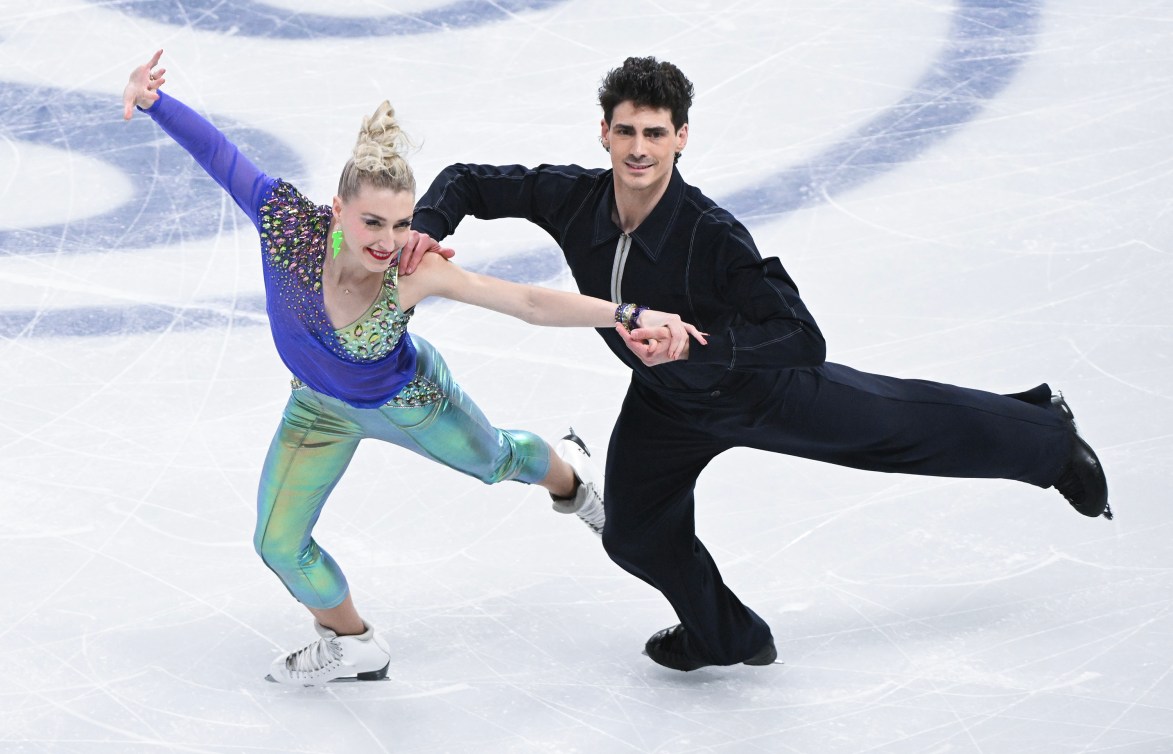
(644, 652)
(574, 438)
(374, 675)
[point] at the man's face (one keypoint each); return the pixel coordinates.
(643, 144)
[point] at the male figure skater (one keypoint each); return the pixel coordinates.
(638, 232)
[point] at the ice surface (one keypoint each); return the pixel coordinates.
(974, 192)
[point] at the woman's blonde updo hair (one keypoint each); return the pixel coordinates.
(378, 158)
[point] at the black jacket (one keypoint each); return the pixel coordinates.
(689, 257)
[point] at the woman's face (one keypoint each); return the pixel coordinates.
(375, 224)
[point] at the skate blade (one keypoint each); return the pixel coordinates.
(775, 662)
(375, 675)
(332, 681)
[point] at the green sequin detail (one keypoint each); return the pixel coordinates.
(377, 332)
(419, 392)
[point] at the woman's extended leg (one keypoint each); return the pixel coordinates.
(437, 419)
(306, 458)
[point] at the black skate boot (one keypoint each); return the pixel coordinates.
(1082, 480)
(671, 649)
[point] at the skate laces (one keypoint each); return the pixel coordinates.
(587, 500)
(314, 656)
(1069, 485)
(591, 511)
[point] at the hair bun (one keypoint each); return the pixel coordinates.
(380, 140)
(380, 155)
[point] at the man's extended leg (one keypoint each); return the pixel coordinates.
(843, 416)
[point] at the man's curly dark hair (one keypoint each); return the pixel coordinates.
(647, 82)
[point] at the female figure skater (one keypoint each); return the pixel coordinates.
(338, 312)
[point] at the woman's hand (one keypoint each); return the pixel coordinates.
(140, 90)
(660, 337)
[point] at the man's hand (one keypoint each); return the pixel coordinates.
(653, 345)
(652, 325)
(415, 248)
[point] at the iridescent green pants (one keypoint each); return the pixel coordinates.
(316, 440)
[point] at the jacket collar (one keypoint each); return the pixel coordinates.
(653, 231)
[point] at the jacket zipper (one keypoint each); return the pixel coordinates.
(621, 250)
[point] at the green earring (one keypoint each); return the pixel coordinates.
(336, 240)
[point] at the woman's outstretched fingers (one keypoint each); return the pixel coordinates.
(140, 89)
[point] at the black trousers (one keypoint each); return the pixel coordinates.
(662, 441)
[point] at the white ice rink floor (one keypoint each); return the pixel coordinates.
(975, 192)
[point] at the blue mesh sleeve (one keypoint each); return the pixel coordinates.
(214, 152)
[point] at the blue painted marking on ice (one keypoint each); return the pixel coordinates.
(96, 321)
(252, 18)
(173, 199)
(987, 44)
